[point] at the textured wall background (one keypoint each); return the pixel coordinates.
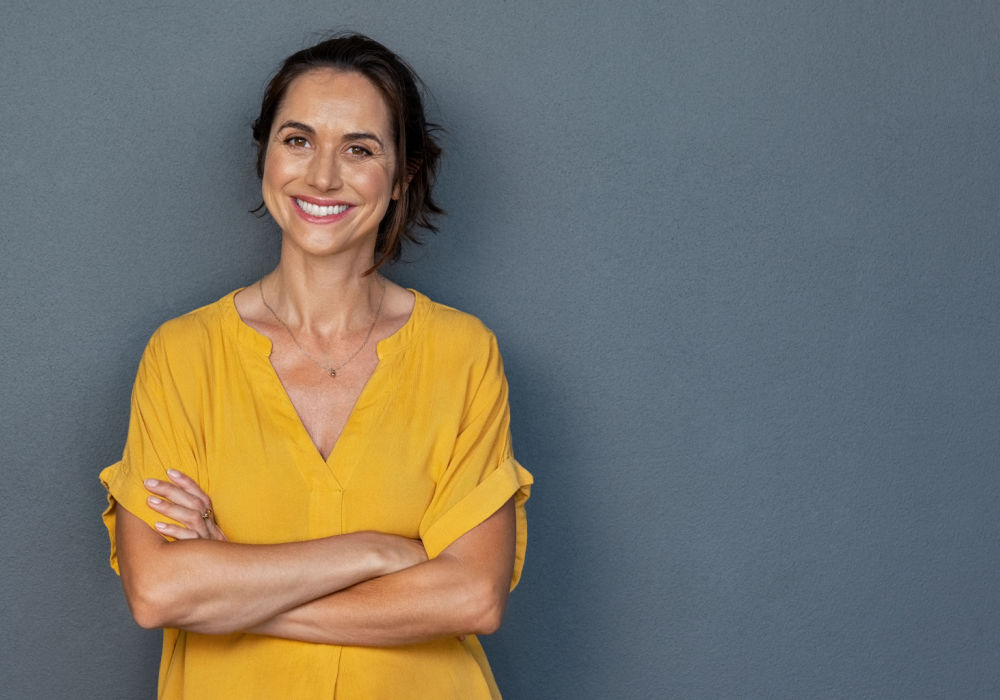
(743, 262)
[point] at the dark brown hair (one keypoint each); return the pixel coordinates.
(417, 152)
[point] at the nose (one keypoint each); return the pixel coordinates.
(323, 171)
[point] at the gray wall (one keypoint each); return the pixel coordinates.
(743, 262)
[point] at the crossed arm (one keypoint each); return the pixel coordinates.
(362, 588)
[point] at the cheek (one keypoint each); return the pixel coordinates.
(274, 167)
(379, 182)
(277, 172)
(271, 184)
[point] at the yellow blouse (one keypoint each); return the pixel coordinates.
(425, 454)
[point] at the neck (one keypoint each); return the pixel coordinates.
(323, 295)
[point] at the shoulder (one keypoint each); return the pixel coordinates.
(196, 333)
(458, 333)
(197, 322)
(446, 321)
(456, 348)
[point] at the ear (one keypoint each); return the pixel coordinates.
(411, 169)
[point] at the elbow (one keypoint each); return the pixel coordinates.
(153, 599)
(487, 610)
(145, 614)
(490, 621)
(158, 605)
(146, 618)
(148, 606)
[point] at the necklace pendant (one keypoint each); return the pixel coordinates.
(333, 374)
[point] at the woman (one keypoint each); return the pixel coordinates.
(317, 497)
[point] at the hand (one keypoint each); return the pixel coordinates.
(182, 500)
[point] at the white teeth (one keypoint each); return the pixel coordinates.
(316, 210)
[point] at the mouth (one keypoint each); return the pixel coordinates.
(320, 211)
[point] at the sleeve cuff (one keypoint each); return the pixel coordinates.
(125, 492)
(510, 479)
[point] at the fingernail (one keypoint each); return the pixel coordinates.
(161, 526)
(154, 500)
(151, 482)
(173, 473)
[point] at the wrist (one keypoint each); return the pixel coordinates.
(376, 555)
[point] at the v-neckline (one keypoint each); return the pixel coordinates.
(351, 416)
(385, 349)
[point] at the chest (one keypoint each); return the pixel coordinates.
(284, 460)
(322, 401)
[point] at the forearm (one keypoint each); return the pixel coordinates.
(220, 587)
(462, 591)
(425, 602)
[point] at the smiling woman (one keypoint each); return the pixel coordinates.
(317, 496)
(328, 163)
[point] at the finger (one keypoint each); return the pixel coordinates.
(215, 532)
(190, 519)
(179, 495)
(183, 487)
(176, 531)
(205, 528)
(191, 486)
(187, 483)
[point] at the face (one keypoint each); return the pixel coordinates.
(330, 164)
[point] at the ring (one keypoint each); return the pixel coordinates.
(207, 514)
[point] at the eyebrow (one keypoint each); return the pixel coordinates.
(353, 136)
(359, 135)
(297, 125)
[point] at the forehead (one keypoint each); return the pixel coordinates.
(336, 100)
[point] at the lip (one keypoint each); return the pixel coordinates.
(321, 203)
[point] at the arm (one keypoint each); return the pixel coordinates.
(462, 591)
(204, 584)
(212, 586)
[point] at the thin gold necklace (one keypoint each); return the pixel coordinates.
(332, 371)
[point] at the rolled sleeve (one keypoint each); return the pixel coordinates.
(482, 474)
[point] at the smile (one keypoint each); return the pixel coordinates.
(320, 211)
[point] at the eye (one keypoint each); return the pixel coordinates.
(297, 141)
(358, 151)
